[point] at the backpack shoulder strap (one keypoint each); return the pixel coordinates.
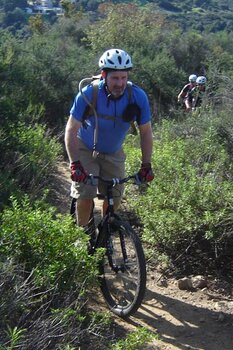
(130, 92)
(95, 85)
(90, 108)
(130, 96)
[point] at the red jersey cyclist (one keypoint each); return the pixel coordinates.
(183, 96)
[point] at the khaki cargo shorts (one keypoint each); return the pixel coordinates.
(105, 165)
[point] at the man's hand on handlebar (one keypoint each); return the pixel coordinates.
(145, 173)
(78, 173)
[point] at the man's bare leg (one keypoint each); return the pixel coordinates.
(188, 105)
(84, 208)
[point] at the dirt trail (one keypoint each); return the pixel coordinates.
(186, 320)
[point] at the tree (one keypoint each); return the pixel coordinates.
(68, 7)
(10, 5)
(16, 18)
(36, 24)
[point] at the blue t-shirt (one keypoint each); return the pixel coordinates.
(112, 129)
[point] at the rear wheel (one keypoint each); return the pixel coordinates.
(123, 272)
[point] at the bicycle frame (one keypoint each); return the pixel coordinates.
(103, 230)
(123, 267)
(92, 180)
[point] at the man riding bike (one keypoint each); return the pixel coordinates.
(197, 93)
(114, 111)
(183, 96)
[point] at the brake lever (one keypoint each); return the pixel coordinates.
(137, 181)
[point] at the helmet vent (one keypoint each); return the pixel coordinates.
(111, 62)
(119, 59)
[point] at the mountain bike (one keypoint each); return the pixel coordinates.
(123, 268)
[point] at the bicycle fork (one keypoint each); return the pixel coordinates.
(110, 251)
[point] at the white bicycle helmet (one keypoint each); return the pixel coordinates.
(115, 59)
(192, 78)
(201, 80)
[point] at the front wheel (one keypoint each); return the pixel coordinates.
(123, 272)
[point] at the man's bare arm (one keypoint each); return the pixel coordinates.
(146, 142)
(71, 140)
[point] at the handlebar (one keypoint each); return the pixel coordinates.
(92, 180)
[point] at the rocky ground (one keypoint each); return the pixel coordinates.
(195, 313)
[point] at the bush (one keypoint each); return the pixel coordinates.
(135, 340)
(46, 273)
(192, 194)
(33, 318)
(28, 155)
(44, 243)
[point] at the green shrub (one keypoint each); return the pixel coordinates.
(192, 192)
(34, 318)
(28, 155)
(44, 243)
(37, 151)
(135, 340)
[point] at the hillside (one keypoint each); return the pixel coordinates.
(201, 15)
(208, 16)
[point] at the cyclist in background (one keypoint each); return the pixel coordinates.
(197, 93)
(183, 96)
(114, 111)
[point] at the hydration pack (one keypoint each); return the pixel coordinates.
(131, 111)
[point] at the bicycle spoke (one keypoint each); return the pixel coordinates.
(123, 280)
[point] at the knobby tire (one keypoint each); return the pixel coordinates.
(123, 290)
